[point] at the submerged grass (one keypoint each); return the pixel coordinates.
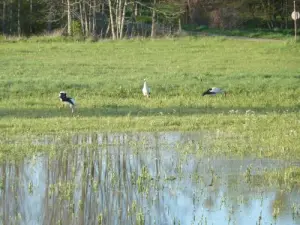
(105, 78)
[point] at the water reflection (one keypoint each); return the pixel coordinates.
(145, 178)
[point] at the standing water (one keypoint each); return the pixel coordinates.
(142, 178)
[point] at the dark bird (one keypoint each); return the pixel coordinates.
(213, 91)
(68, 100)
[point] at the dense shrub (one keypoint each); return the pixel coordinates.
(76, 28)
(224, 18)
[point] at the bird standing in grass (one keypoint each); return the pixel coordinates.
(64, 98)
(146, 89)
(213, 91)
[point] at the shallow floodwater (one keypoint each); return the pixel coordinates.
(142, 178)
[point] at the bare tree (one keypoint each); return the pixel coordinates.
(69, 17)
(86, 22)
(112, 23)
(153, 27)
(81, 17)
(117, 9)
(94, 17)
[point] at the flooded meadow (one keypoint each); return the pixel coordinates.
(144, 178)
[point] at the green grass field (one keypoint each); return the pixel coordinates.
(105, 78)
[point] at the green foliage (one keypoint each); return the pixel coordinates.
(169, 11)
(34, 17)
(76, 28)
(144, 19)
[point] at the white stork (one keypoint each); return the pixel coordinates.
(146, 89)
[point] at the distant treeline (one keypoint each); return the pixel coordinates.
(118, 18)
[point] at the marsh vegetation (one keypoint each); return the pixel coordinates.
(145, 178)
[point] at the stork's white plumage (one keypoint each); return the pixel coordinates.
(146, 89)
(213, 91)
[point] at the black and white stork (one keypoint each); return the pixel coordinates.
(213, 91)
(68, 100)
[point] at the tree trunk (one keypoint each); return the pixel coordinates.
(3, 17)
(135, 9)
(189, 12)
(30, 17)
(107, 30)
(90, 19)
(81, 18)
(19, 19)
(120, 17)
(117, 18)
(11, 17)
(94, 18)
(112, 24)
(86, 20)
(153, 28)
(69, 18)
(122, 20)
(103, 7)
(133, 16)
(179, 25)
(286, 14)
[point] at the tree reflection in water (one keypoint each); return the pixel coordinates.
(139, 178)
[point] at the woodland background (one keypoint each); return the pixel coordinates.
(128, 18)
